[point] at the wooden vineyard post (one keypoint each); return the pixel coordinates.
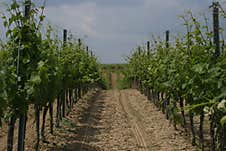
(216, 38)
(139, 50)
(148, 55)
(60, 101)
(216, 41)
(79, 86)
(167, 101)
(79, 43)
(87, 50)
(23, 116)
(63, 97)
(148, 49)
(65, 36)
(11, 126)
(58, 112)
(147, 89)
(139, 80)
(167, 38)
(87, 53)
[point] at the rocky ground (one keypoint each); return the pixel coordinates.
(116, 120)
(112, 120)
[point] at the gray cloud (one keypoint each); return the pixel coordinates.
(115, 27)
(98, 2)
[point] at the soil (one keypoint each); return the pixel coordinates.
(109, 120)
(114, 83)
(115, 120)
(30, 132)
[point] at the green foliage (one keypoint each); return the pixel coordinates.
(187, 69)
(223, 121)
(36, 68)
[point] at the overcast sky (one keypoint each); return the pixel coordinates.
(112, 28)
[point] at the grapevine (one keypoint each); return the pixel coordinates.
(37, 69)
(185, 78)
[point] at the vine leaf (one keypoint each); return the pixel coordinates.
(223, 121)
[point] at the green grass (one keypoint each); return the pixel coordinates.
(113, 66)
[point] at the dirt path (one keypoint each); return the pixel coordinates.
(138, 133)
(113, 120)
(157, 133)
(114, 83)
(116, 121)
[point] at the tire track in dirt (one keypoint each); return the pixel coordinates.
(114, 81)
(136, 128)
(159, 133)
(115, 120)
(95, 124)
(91, 111)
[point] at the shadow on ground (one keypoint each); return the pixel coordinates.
(80, 132)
